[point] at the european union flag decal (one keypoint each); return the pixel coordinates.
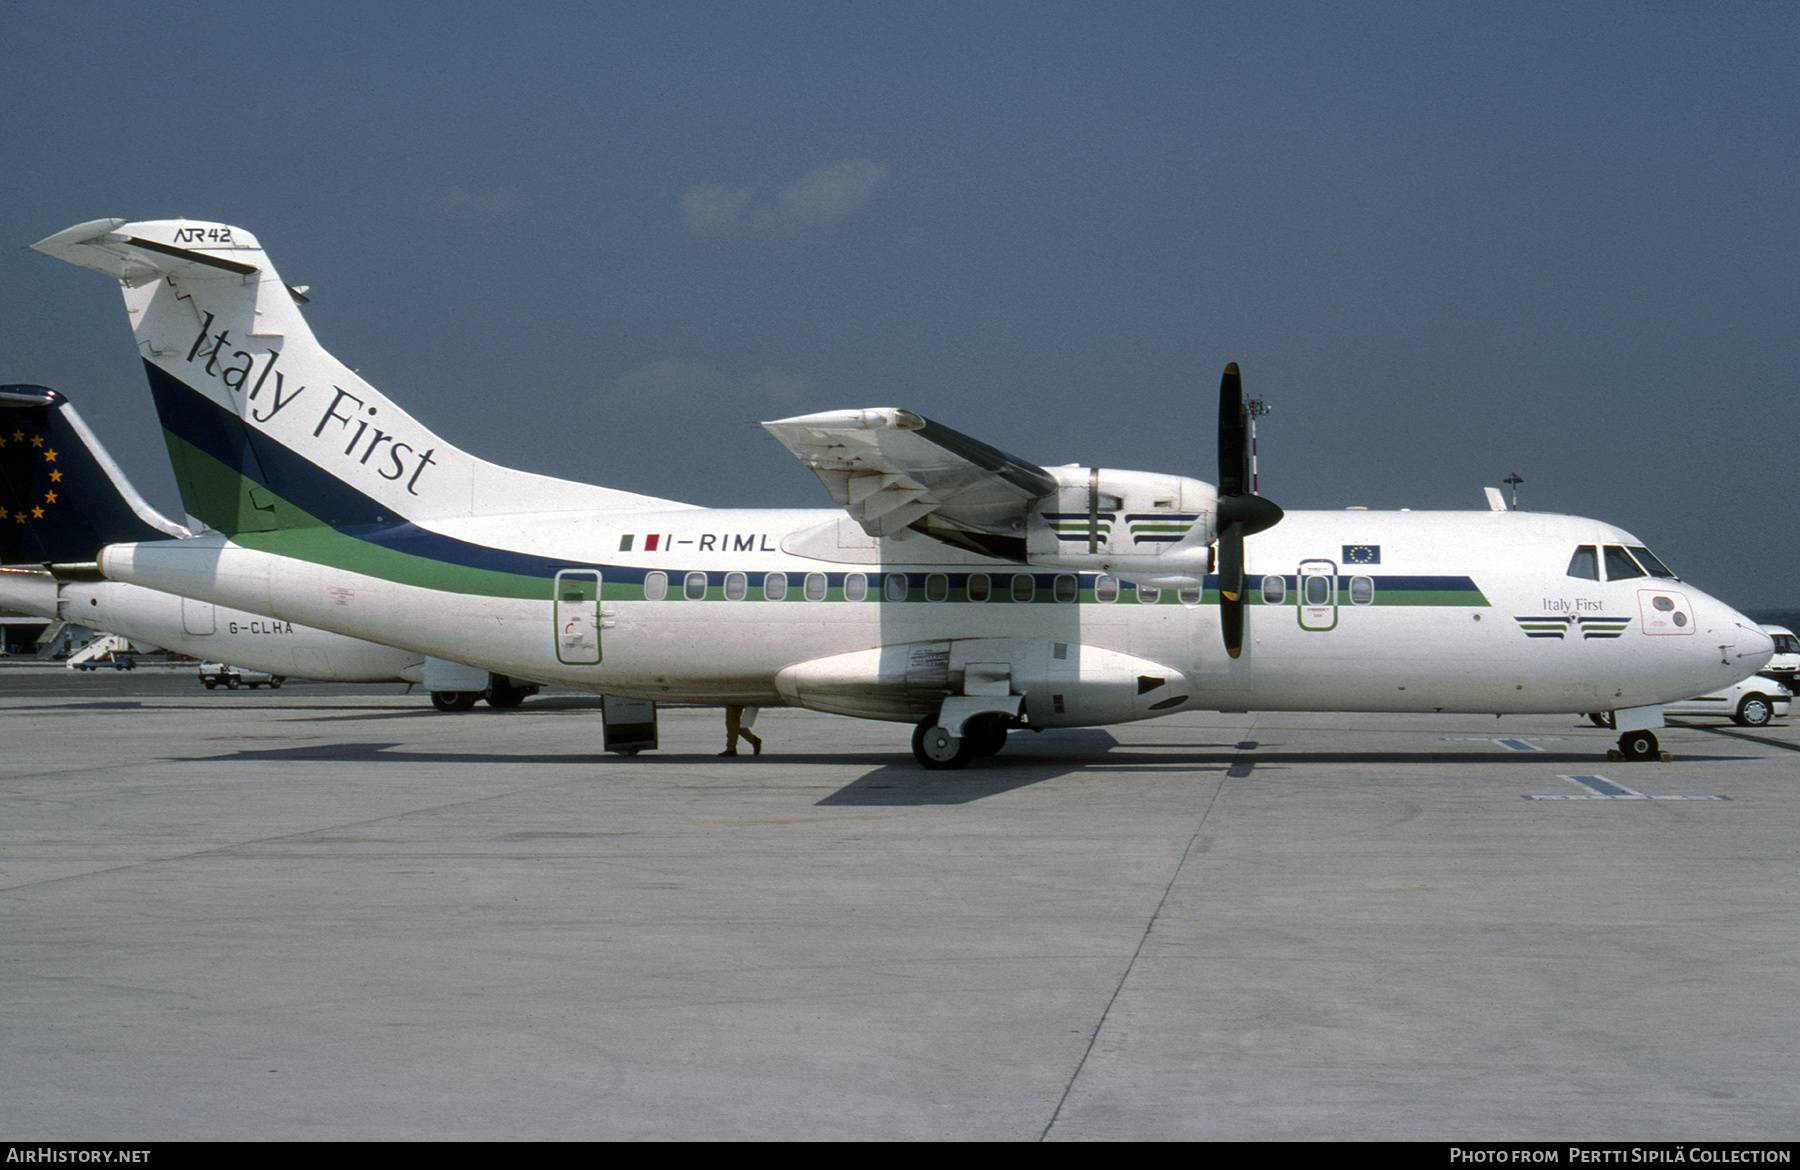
(1362, 554)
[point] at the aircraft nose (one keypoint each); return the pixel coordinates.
(1757, 647)
(1740, 641)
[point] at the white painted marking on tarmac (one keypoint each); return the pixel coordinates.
(1600, 788)
(1512, 743)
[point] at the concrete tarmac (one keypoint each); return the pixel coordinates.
(330, 912)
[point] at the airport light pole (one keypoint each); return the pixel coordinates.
(1256, 408)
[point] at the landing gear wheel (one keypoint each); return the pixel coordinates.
(1638, 745)
(275, 683)
(506, 696)
(454, 700)
(985, 734)
(1601, 718)
(937, 749)
(1754, 711)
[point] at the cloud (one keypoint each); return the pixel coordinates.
(831, 193)
(678, 384)
(821, 197)
(497, 203)
(717, 208)
(672, 382)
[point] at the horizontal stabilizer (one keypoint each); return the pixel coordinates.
(201, 250)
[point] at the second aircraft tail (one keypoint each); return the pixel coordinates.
(62, 498)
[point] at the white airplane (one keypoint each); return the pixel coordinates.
(62, 497)
(958, 589)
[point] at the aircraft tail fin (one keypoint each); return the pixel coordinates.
(266, 429)
(62, 498)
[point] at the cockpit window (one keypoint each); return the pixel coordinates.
(1619, 565)
(1651, 565)
(1585, 564)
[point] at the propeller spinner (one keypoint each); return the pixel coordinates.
(1241, 511)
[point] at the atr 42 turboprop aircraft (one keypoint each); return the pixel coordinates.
(965, 591)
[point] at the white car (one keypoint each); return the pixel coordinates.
(1784, 668)
(217, 674)
(1751, 703)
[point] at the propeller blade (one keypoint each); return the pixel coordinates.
(1231, 562)
(1231, 587)
(1234, 435)
(1241, 511)
(1231, 620)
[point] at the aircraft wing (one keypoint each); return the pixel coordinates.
(892, 469)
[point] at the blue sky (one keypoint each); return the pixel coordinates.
(1446, 242)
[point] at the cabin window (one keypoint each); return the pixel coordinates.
(1317, 590)
(1619, 565)
(856, 587)
(1190, 595)
(694, 588)
(1067, 588)
(815, 587)
(656, 586)
(1362, 590)
(980, 587)
(1106, 589)
(775, 587)
(1274, 590)
(1585, 564)
(1648, 559)
(737, 586)
(893, 587)
(937, 587)
(1024, 587)
(1149, 594)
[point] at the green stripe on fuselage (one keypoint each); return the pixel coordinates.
(256, 518)
(320, 545)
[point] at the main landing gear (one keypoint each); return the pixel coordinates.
(935, 748)
(501, 692)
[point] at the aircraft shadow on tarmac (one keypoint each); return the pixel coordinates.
(895, 779)
(1746, 736)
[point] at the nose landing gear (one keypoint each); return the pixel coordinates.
(1638, 745)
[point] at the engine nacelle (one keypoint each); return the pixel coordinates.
(1148, 528)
